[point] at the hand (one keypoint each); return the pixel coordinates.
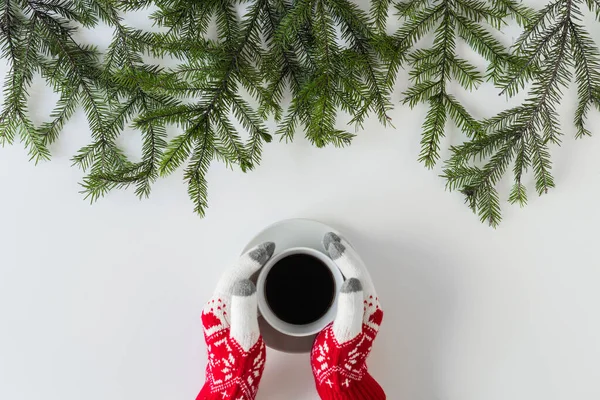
(340, 350)
(236, 351)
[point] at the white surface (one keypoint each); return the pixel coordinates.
(102, 302)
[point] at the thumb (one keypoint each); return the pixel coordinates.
(244, 318)
(348, 321)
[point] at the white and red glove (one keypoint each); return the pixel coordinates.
(339, 354)
(236, 351)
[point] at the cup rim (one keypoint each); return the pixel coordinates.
(285, 327)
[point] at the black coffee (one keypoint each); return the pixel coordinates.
(299, 289)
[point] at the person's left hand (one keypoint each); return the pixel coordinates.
(340, 351)
(236, 351)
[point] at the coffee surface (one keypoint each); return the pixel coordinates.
(299, 289)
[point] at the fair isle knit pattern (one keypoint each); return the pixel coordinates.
(232, 373)
(340, 351)
(236, 351)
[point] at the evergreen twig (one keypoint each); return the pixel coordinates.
(433, 68)
(555, 43)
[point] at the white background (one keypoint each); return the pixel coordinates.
(102, 302)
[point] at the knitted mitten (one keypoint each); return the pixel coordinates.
(340, 350)
(236, 351)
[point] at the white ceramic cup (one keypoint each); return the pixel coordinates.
(286, 327)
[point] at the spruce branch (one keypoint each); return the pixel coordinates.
(324, 73)
(555, 43)
(18, 43)
(124, 68)
(433, 68)
(522, 14)
(213, 77)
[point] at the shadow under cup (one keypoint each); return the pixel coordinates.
(297, 291)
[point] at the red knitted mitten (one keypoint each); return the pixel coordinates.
(340, 351)
(236, 351)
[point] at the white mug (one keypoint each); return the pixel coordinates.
(285, 327)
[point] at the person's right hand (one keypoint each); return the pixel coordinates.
(339, 354)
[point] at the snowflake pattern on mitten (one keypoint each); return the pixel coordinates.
(232, 373)
(236, 351)
(340, 351)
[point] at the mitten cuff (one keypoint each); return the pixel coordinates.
(235, 394)
(365, 389)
